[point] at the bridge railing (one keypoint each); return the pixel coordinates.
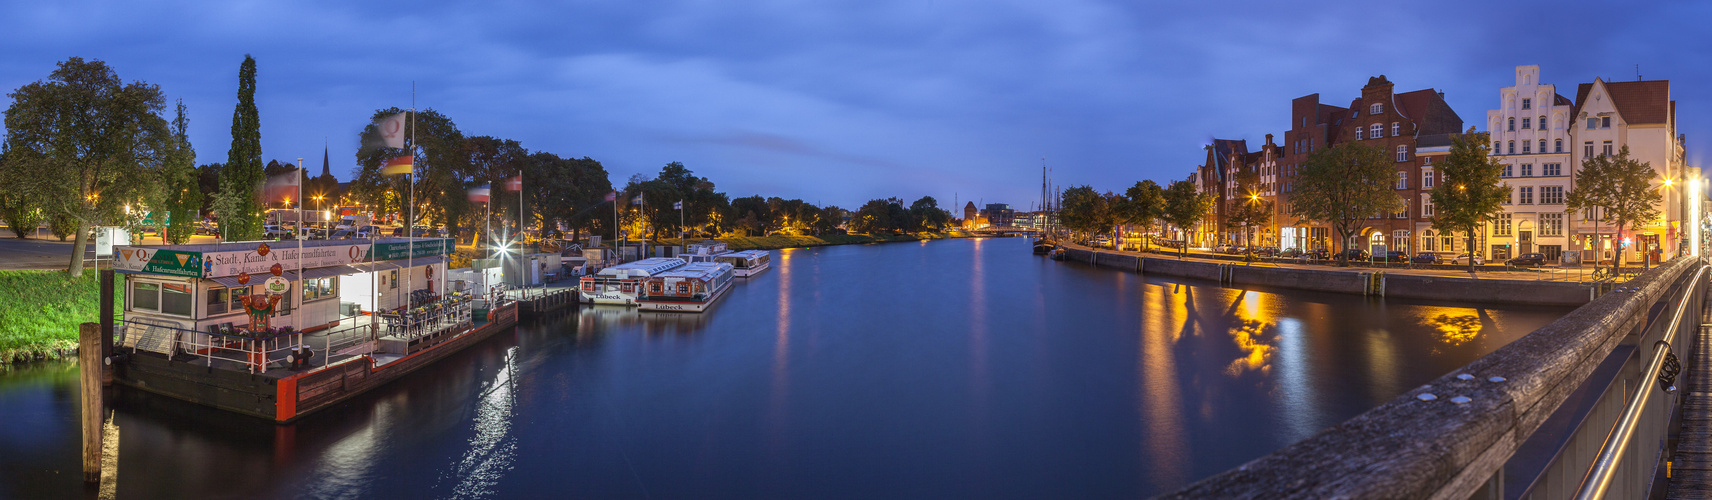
(1456, 436)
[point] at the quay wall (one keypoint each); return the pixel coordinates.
(1353, 281)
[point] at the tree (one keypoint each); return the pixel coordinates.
(1345, 185)
(1469, 191)
(16, 210)
(1185, 206)
(877, 216)
(1620, 190)
(1249, 211)
(828, 219)
(750, 214)
(239, 205)
(83, 146)
(1143, 205)
(927, 213)
(1085, 211)
(181, 183)
(440, 177)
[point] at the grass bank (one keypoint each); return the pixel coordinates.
(781, 241)
(40, 311)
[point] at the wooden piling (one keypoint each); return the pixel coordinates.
(106, 312)
(89, 366)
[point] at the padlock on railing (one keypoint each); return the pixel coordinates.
(1669, 370)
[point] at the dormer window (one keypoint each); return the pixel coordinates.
(1527, 104)
(1376, 109)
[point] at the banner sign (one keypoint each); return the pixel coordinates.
(262, 260)
(151, 260)
(259, 261)
(427, 247)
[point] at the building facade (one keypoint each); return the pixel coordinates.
(1530, 134)
(1640, 115)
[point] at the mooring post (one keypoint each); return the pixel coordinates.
(106, 312)
(89, 366)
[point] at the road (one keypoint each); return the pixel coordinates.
(44, 251)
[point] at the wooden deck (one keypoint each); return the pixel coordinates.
(1691, 468)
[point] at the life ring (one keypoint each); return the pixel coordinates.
(490, 315)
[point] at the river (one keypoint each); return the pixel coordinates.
(945, 369)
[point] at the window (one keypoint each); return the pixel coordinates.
(1527, 123)
(1587, 149)
(1551, 195)
(1497, 148)
(1557, 146)
(165, 298)
(1501, 224)
(145, 296)
(1506, 172)
(1507, 197)
(1403, 214)
(1400, 239)
(1526, 149)
(1447, 242)
(1358, 133)
(320, 289)
(1542, 145)
(1512, 124)
(1604, 122)
(1396, 129)
(1426, 206)
(1376, 109)
(1527, 195)
(1527, 170)
(1376, 131)
(1542, 123)
(1512, 147)
(1526, 104)
(1428, 242)
(1592, 123)
(1402, 179)
(1606, 146)
(1551, 224)
(217, 300)
(1551, 169)
(1426, 179)
(1402, 153)
(285, 301)
(393, 280)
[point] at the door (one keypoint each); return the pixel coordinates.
(1525, 240)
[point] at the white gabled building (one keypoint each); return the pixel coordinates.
(1641, 115)
(1531, 137)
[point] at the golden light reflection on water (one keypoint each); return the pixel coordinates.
(1252, 339)
(780, 385)
(1455, 325)
(1161, 399)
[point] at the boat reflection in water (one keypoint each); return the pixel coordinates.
(601, 317)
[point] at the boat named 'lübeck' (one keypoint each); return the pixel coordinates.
(619, 284)
(693, 288)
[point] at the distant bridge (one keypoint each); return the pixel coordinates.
(1005, 231)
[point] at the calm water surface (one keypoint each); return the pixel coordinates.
(950, 369)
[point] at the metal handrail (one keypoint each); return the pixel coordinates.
(1598, 479)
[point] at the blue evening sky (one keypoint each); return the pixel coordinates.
(839, 102)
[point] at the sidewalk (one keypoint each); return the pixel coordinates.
(1570, 274)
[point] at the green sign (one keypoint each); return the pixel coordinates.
(417, 249)
(169, 262)
(149, 219)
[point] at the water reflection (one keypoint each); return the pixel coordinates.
(492, 449)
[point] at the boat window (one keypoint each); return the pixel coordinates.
(175, 299)
(217, 299)
(237, 300)
(656, 287)
(319, 288)
(145, 296)
(684, 288)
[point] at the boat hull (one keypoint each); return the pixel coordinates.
(683, 305)
(751, 271)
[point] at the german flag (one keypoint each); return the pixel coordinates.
(399, 165)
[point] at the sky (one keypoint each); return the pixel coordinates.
(839, 102)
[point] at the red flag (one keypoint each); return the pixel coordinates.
(479, 194)
(400, 165)
(611, 196)
(514, 183)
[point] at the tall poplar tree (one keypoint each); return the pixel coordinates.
(179, 179)
(239, 206)
(1469, 191)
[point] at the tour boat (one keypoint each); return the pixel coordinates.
(705, 251)
(619, 284)
(748, 262)
(693, 288)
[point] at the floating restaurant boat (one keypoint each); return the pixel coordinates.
(748, 262)
(706, 251)
(620, 284)
(693, 288)
(279, 333)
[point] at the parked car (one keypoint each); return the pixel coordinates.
(206, 227)
(276, 231)
(1227, 249)
(1316, 254)
(1392, 256)
(1102, 242)
(1266, 252)
(1527, 259)
(1463, 259)
(1353, 254)
(1427, 258)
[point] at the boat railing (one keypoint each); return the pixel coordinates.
(424, 321)
(253, 351)
(354, 340)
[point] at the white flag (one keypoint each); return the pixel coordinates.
(392, 130)
(678, 206)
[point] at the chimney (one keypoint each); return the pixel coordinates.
(1268, 139)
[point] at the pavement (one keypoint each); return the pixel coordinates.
(1573, 274)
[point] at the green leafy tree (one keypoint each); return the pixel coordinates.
(1143, 205)
(927, 213)
(1469, 191)
(1086, 211)
(750, 214)
(877, 216)
(441, 177)
(1620, 190)
(83, 146)
(1248, 212)
(181, 183)
(239, 204)
(19, 214)
(1186, 206)
(1345, 185)
(828, 220)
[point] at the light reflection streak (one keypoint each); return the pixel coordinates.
(780, 388)
(1295, 384)
(978, 328)
(1382, 365)
(1160, 397)
(492, 450)
(346, 468)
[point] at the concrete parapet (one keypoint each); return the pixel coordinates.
(1418, 447)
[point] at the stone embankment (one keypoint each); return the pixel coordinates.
(1375, 282)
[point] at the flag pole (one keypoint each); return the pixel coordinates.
(297, 178)
(410, 222)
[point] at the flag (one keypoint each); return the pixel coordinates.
(392, 130)
(678, 206)
(514, 183)
(480, 194)
(282, 187)
(637, 200)
(400, 165)
(611, 196)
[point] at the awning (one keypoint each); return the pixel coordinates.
(386, 265)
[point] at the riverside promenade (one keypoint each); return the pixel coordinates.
(1492, 284)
